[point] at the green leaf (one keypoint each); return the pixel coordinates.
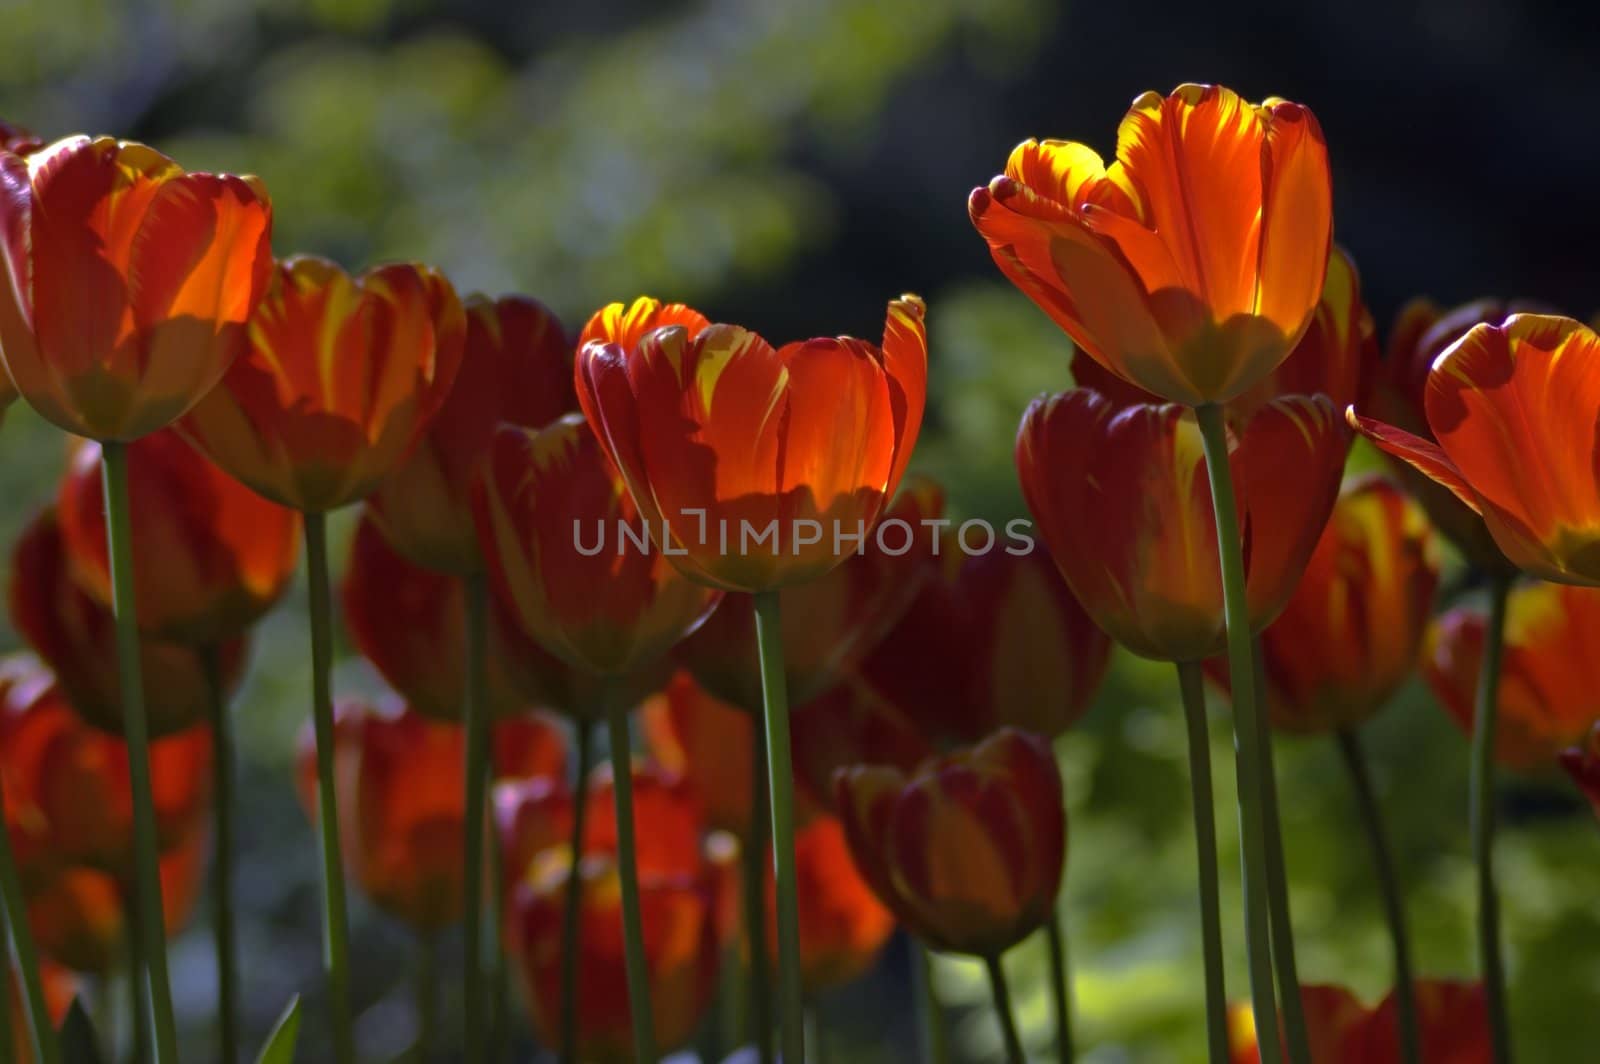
(79, 1043)
(279, 1046)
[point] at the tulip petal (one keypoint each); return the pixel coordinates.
(1427, 458)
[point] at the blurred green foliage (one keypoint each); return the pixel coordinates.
(683, 149)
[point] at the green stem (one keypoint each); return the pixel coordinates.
(475, 714)
(1060, 986)
(638, 965)
(1394, 905)
(1002, 1008)
(1191, 683)
(335, 919)
(814, 1029)
(40, 1030)
(1246, 732)
(753, 879)
(222, 857)
(780, 776)
(104, 1015)
(427, 995)
(130, 683)
(137, 1010)
(935, 1046)
(1482, 817)
(498, 1011)
(1295, 1031)
(8, 1043)
(572, 905)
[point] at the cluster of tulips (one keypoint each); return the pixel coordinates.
(1188, 492)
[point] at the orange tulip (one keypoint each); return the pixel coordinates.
(1513, 408)
(1350, 635)
(60, 988)
(67, 792)
(1547, 690)
(76, 636)
(680, 946)
(994, 639)
(1583, 765)
(757, 462)
(829, 623)
(1145, 568)
(401, 800)
(709, 744)
(128, 282)
(609, 610)
(850, 725)
(340, 377)
(210, 556)
(517, 368)
(79, 915)
(1452, 1019)
(1192, 264)
(968, 850)
(843, 926)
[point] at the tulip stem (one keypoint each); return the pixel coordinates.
(638, 965)
(41, 1031)
(222, 854)
(497, 953)
(427, 1003)
(8, 1044)
(572, 904)
(1246, 733)
(935, 1046)
(335, 926)
(474, 713)
(138, 1014)
(780, 776)
(1483, 735)
(1060, 986)
(753, 879)
(1191, 684)
(1294, 1014)
(1002, 1009)
(1355, 760)
(136, 730)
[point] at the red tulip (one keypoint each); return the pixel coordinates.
(128, 282)
(1452, 1018)
(709, 744)
(850, 725)
(843, 926)
(60, 988)
(1582, 763)
(1192, 264)
(724, 439)
(968, 850)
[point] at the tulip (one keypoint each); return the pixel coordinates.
(59, 989)
(516, 368)
(1192, 264)
(129, 282)
(1337, 1026)
(1547, 696)
(210, 556)
(75, 634)
(1583, 765)
(1454, 1018)
(843, 926)
(18, 141)
(707, 743)
(852, 725)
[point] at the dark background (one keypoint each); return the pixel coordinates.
(791, 166)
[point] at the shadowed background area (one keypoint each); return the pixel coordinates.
(790, 166)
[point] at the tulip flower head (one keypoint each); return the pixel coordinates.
(1512, 407)
(757, 462)
(709, 744)
(1351, 634)
(968, 850)
(210, 556)
(1547, 691)
(851, 725)
(75, 634)
(516, 368)
(1192, 264)
(128, 282)
(1582, 763)
(1452, 1020)
(843, 925)
(340, 377)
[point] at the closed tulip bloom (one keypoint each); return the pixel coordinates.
(76, 636)
(1192, 264)
(516, 367)
(340, 377)
(993, 639)
(1547, 691)
(1351, 634)
(831, 622)
(851, 725)
(128, 282)
(755, 459)
(609, 610)
(843, 926)
(697, 737)
(1582, 763)
(968, 850)
(1512, 407)
(210, 556)
(67, 791)
(1452, 1020)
